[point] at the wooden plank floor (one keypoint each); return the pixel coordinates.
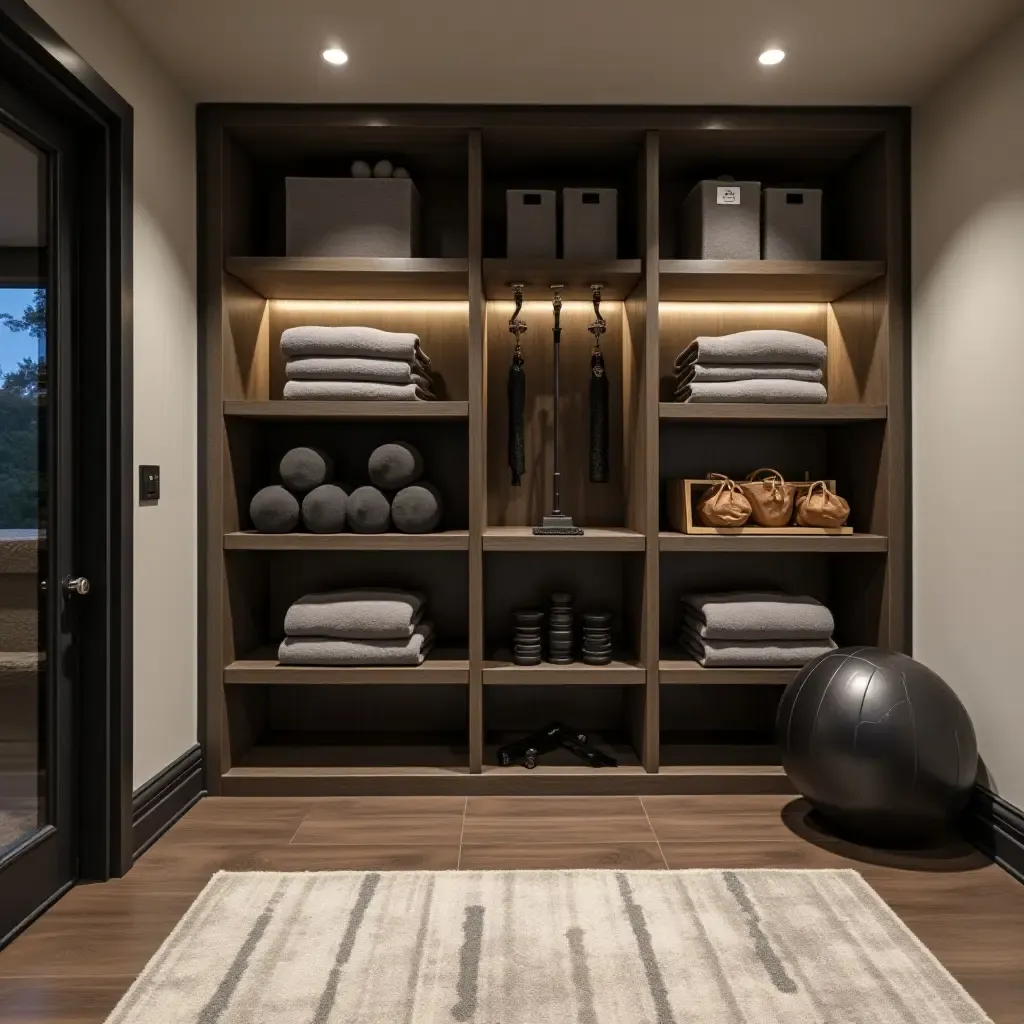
(73, 964)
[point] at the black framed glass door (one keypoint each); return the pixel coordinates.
(38, 589)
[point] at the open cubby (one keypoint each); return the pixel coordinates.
(675, 726)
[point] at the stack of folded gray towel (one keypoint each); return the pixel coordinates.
(752, 366)
(358, 364)
(755, 630)
(357, 628)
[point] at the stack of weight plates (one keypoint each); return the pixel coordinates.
(597, 638)
(526, 643)
(560, 638)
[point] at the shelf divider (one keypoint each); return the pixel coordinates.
(250, 540)
(853, 543)
(283, 410)
(764, 280)
(595, 538)
(697, 412)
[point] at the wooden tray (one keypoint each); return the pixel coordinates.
(682, 501)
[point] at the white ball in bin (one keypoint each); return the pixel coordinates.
(360, 169)
(383, 169)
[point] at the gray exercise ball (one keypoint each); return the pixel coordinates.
(274, 510)
(302, 469)
(416, 509)
(368, 511)
(324, 509)
(394, 466)
(878, 744)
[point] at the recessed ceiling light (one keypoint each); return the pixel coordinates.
(335, 55)
(772, 57)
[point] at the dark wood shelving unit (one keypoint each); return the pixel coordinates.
(676, 727)
(852, 543)
(320, 277)
(816, 415)
(281, 410)
(764, 280)
(250, 540)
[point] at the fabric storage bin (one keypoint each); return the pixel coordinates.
(590, 224)
(792, 224)
(530, 222)
(351, 217)
(721, 220)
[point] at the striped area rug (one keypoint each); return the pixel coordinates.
(544, 947)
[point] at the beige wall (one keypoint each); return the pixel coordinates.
(968, 395)
(165, 374)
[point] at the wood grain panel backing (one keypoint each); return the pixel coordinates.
(589, 504)
(246, 343)
(858, 346)
(443, 329)
(682, 322)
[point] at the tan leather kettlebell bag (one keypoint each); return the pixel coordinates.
(771, 498)
(724, 504)
(821, 507)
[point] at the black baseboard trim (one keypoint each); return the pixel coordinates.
(996, 827)
(6, 940)
(158, 804)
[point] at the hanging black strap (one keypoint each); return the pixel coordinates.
(516, 419)
(598, 419)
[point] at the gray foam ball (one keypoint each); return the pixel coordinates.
(360, 169)
(325, 508)
(368, 511)
(302, 469)
(400, 172)
(394, 466)
(417, 509)
(274, 510)
(383, 169)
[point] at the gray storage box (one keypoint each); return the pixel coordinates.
(590, 224)
(351, 217)
(792, 224)
(722, 221)
(530, 221)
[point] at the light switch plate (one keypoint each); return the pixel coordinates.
(149, 483)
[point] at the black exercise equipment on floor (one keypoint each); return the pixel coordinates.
(529, 749)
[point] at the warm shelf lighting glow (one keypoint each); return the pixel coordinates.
(369, 306)
(772, 57)
(335, 55)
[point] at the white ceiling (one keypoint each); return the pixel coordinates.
(572, 51)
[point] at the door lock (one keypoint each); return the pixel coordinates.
(78, 585)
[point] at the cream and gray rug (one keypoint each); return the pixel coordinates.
(544, 947)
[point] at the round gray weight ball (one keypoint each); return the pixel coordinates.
(274, 510)
(324, 509)
(416, 509)
(394, 466)
(302, 469)
(368, 511)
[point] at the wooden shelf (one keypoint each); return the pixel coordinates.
(763, 280)
(617, 673)
(854, 543)
(316, 277)
(595, 538)
(619, 278)
(683, 672)
(741, 413)
(544, 780)
(282, 410)
(444, 667)
(250, 540)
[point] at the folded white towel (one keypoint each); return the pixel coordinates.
(356, 614)
(354, 391)
(380, 371)
(785, 392)
(357, 653)
(748, 348)
(359, 342)
(699, 373)
(752, 615)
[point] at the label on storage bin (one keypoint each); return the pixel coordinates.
(728, 195)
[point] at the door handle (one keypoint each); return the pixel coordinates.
(78, 585)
